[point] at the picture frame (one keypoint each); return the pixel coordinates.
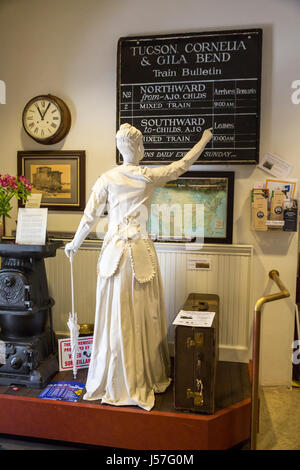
(213, 189)
(58, 174)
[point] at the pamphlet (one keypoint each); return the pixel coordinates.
(288, 186)
(259, 199)
(290, 215)
(63, 391)
(194, 318)
(31, 226)
(276, 210)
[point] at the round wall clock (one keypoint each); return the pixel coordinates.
(47, 119)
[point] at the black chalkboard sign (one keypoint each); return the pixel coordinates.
(173, 87)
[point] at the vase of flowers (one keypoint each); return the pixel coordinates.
(11, 186)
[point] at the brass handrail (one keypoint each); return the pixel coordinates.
(274, 275)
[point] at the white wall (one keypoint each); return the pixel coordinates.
(68, 48)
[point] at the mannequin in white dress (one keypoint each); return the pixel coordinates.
(130, 358)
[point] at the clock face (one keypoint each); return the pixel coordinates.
(42, 118)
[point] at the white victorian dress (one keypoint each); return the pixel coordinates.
(130, 358)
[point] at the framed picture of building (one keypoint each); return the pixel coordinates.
(58, 175)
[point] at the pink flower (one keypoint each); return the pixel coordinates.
(22, 179)
(11, 182)
(11, 186)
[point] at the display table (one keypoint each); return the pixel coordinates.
(23, 414)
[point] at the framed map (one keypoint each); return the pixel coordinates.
(198, 206)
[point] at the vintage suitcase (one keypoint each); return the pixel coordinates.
(195, 360)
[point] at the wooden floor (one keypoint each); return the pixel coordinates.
(23, 414)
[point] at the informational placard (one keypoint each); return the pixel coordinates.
(31, 226)
(173, 87)
(198, 263)
(275, 166)
(34, 201)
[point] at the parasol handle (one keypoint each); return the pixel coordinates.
(72, 283)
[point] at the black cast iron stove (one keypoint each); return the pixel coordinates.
(28, 346)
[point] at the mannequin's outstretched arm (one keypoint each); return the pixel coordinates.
(163, 174)
(94, 209)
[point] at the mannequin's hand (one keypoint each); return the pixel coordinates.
(207, 135)
(69, 250)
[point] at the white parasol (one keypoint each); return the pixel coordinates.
(73, 325)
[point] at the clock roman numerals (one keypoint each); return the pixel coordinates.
(42, 119)
(46, 118)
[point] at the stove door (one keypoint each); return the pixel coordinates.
(14, 290)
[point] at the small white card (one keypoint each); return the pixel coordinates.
(275, 166)
(194, 318)
(198, 264)
(31, 226)
(34, 201)
(275, 223)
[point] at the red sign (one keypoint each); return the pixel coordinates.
(83, 353)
